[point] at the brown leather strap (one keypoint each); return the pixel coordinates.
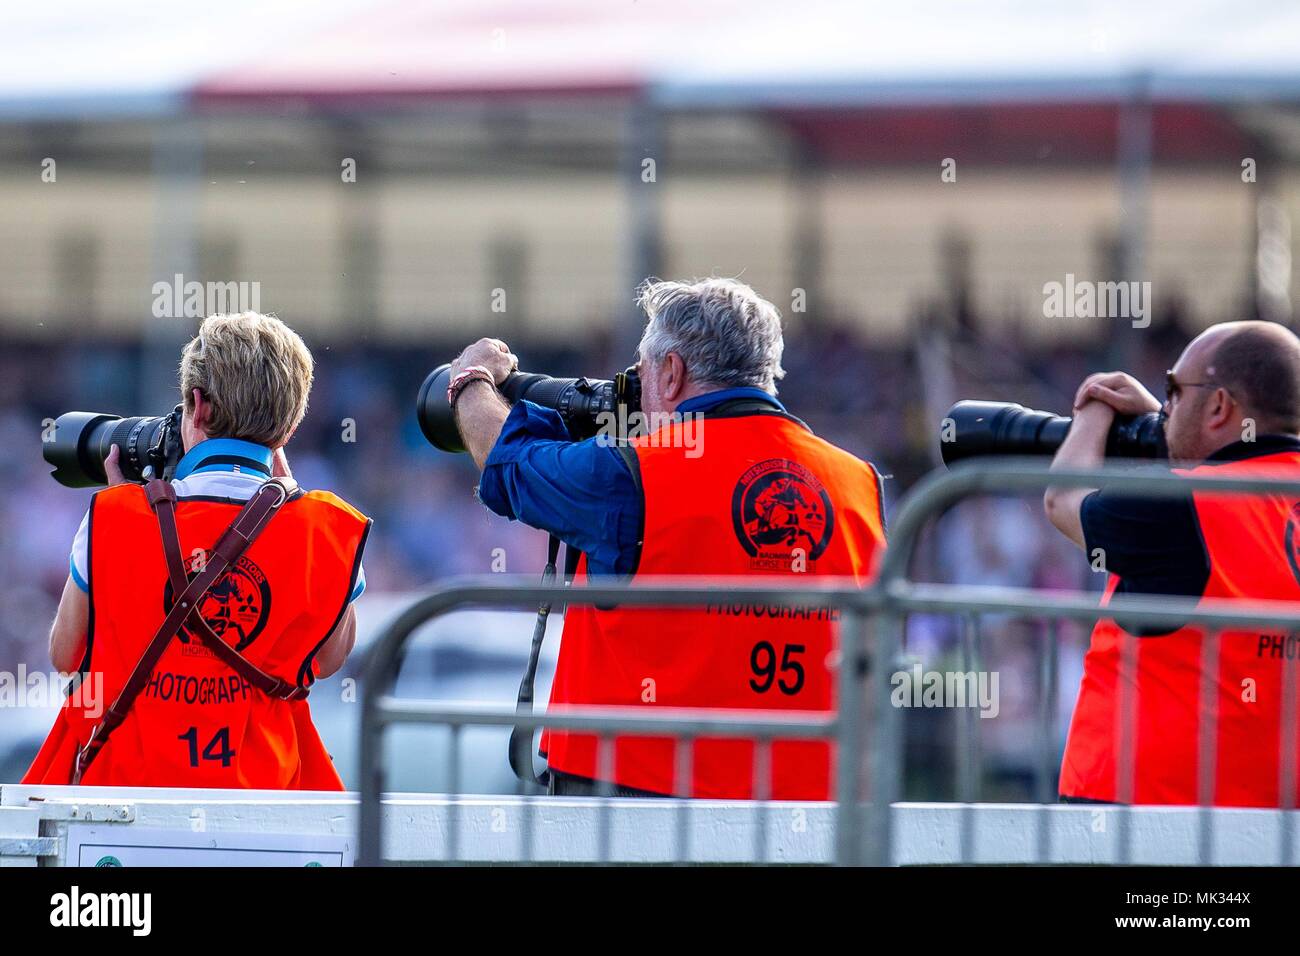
(248, 524)
(272, 686)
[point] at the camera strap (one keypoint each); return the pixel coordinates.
(188, 595)
(268, 684)
(521, 737)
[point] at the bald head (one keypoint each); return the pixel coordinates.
(1259, 364)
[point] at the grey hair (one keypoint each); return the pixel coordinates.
(726, 333)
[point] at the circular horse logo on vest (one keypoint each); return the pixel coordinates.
(780, 506)
(1291, 541)
(237, 606)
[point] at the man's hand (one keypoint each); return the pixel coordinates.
(1121, 391)
(493, 354)
(1099, 399)
(480, 411)
(113, 470)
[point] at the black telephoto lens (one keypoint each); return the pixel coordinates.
(79, 442)
(973, 429)
(435, 415)
(578, 400)
(1138, 436)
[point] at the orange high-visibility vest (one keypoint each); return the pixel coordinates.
(763, 497)
(1253, 543)
(198, 723)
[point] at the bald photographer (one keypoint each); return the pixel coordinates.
(1232, 408)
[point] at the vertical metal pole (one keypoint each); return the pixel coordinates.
(453, 807)
(968, 752)
(683, 770)
(643, 141)
(177, 171)
(886, 764)
(1049, 663)
(762, 793)
(360, 223)
(370, 827)
(380, 675)
(1272, 243)
(605, 789)
(1049, 677)
(1287, 740)
(1207, 742)
(527, 807)
(807, 252)
(1126, 741)
(848, 738)
(1133, 144)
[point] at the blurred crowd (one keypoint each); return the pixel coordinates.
(361, 440)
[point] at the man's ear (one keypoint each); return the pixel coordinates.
(202, 410)
(1222, 408)
(676, 384)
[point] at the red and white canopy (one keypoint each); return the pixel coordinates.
(87, 59)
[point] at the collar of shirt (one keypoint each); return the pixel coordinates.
(1262, 445)
(702, 403)
(230, 455)
(217, 468)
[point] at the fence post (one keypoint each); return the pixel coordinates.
(886, 761)
(848, 757)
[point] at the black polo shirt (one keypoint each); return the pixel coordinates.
(1155, 545)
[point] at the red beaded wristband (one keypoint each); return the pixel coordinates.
(474, 373)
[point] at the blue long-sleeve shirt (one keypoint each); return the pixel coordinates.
(580, 491)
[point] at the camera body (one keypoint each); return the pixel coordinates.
(975, 429)
(581, 402)
(81, 441)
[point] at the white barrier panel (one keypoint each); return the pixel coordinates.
(206, 827)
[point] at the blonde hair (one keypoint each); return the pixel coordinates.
(256, 372)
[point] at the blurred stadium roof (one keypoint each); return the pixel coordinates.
(81, 58)
(174, 93)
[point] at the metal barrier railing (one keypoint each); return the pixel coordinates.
(864, 827)
(940, 490)
(379, 708)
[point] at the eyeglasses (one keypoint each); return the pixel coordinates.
(1173, 386)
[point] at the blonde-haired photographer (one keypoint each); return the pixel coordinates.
(210, 693)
